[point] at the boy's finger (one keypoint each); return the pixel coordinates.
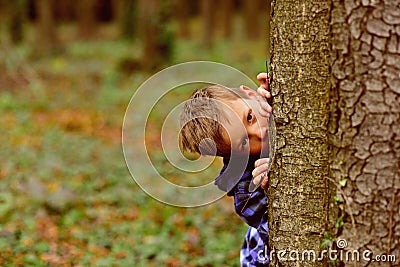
(262, 168)
(262, 91)
(261, 161)
(263, 113)
(264, 182)
(263, 178)
(262, 76)
(264, 84)
(244, 87)
(266, 107)
(257, 180)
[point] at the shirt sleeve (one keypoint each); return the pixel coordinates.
(251, 207)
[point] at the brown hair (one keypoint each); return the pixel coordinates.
(201, 120)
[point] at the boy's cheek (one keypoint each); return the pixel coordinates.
(260, 148)
(255, 149)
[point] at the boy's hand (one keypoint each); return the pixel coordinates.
(263, 93)
(264, 87)
(260, 172)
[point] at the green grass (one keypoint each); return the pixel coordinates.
(67, 197)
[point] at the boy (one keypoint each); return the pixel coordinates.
(232, 123)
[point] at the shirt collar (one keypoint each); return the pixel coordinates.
(228, 179)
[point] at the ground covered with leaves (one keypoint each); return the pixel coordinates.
(67, 197)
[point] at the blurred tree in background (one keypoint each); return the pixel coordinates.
(209, 17)
(156, 33)
(46, 35)
(226, 15)
(252, 21)
(127, 15)
(16, 11)
(86, 15)
(182, 14)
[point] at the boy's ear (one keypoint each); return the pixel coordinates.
(250, 92)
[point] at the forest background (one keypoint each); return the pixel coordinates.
(67, 72)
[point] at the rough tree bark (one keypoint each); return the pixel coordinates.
(366, 79)
(266, 5)
(336, 86)
(299, 191)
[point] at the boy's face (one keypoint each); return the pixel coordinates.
(249, 133)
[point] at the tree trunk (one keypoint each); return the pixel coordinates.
(336, 86)
(86, 18)
(251, 15)
(207, 10)
(226, 15)
(127, 18)
(157, 37)
(299, 191)
(46, 28)
(267, 6)
(365, 68)
(182, 7)
(16, 10)
(64, 11)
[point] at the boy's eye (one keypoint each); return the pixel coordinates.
(250, 116)
(244, 142)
